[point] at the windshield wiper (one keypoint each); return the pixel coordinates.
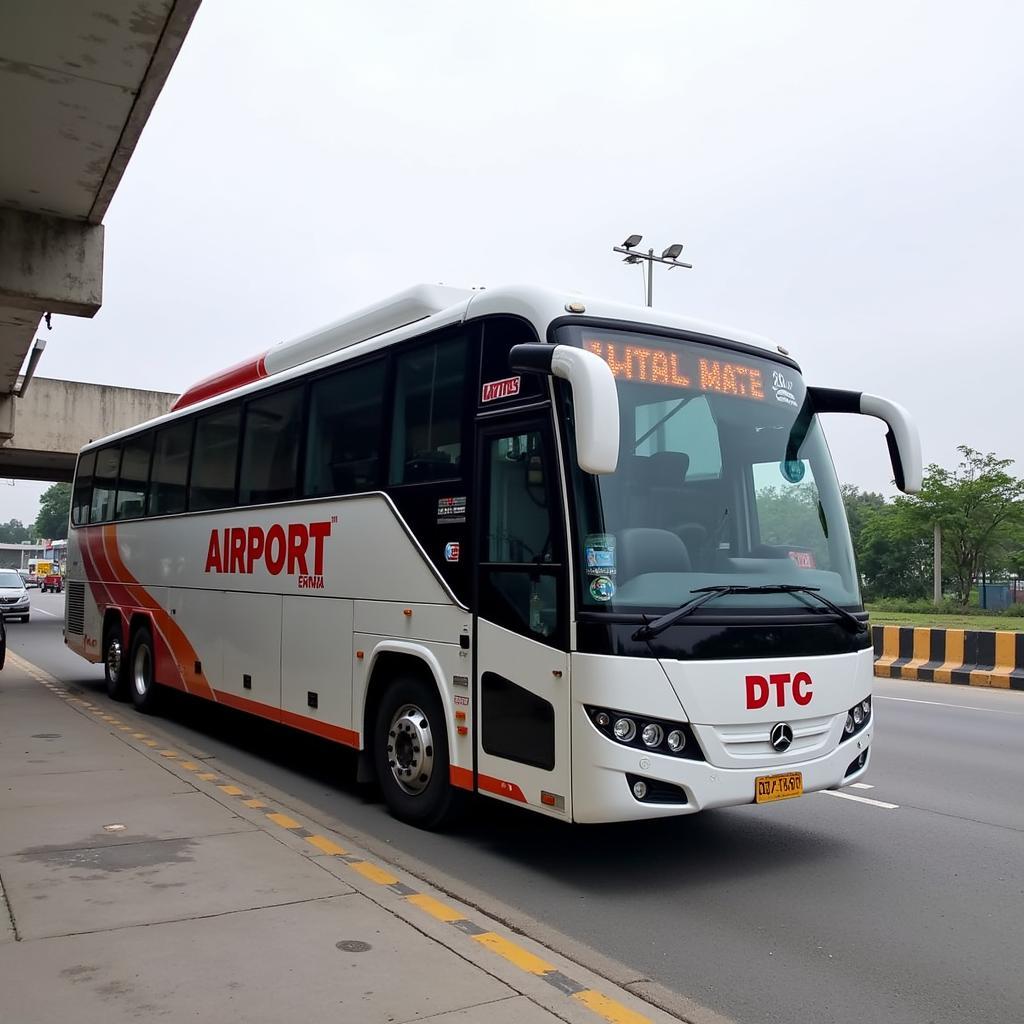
(706, 594)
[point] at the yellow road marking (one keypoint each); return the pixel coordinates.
(168, 753)
(231, 790)
(611, 1010)
(374, 873)
(151, 743)
(125, 728)
(435, 908)
(139, 735)
(190, 766)
(514, 953)
(284, 821)
(254, 803)
(324, 845)
(207, 776)
(108, 718)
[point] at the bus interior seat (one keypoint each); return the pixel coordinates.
(643, 549)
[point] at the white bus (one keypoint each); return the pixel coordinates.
(582, 557)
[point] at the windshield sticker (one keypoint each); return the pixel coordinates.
(602, 588)
(451, 551)
(599, 551)
(451, 510)
(803, 559)
(783, 388)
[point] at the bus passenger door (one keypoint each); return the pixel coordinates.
(522, 664)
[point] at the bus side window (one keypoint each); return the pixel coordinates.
(345, 419)
(214, 459)
(426, 436)
(270, 448)
(170, 469)
(133, 482)
(83, 489)
(104, 485)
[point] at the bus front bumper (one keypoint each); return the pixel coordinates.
(604, 772)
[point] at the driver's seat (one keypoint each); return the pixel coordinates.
(644, 549)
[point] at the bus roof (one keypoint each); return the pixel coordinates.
(415, 311)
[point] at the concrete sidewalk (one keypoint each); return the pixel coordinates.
(136, 883)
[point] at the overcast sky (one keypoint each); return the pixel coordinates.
(847, 180)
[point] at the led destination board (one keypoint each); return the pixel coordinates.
(678, 367)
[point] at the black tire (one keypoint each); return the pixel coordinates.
(115, 662)
(141, 683)
(424, 796)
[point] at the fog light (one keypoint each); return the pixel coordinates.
(602, 719)
(849, 727)
(858, 715)
(866, 707)
(639, 789)
(652, 735)
(676, 740)
(624, 729)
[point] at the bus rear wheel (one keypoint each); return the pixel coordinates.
(114, 662)
(142, 685)
(410, 749)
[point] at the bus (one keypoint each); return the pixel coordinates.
(577, 556)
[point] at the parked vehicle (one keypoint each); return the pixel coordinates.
(52, 583)
(14, 600)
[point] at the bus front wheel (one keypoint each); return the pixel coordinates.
(114, 662)
(410, 744)
(140, 670)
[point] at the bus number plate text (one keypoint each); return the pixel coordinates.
(778, 787)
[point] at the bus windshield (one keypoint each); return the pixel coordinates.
(724, 479)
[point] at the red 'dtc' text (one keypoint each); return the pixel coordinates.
(296, 550)
(759, 689)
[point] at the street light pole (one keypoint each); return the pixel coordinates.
(669, 257)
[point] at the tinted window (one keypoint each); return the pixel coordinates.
(426, 439)
(214, 459)
(104, 485)
(270, 451)
(170, 469)
(134, 480)
(343, 447)
(83, 489)
(680, 425)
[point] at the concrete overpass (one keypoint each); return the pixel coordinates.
(78, 80)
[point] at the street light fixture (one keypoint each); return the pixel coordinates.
(670, 257)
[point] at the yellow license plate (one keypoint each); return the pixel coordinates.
(778, 787)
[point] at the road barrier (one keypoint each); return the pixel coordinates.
(966, 656)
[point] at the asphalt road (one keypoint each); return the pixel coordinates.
(905, 904)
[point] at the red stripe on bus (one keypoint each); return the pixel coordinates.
(499, 787)
(220, 383)
(462, 778)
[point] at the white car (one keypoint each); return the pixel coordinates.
(14, 601)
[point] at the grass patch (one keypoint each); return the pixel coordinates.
(945, 620)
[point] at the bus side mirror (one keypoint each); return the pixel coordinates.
(902, 437)
(594, 398)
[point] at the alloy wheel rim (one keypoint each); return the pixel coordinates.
(410, 749)
(141, 671)
(114, 659)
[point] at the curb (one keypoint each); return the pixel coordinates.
(966, 657)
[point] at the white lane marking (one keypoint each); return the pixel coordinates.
(861, 785)
(942, 704)
(43, 611)
(860, 799)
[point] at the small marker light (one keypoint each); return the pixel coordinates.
(602, 719)
(624, 729)
(676, 740)
(639, 789)
(858, 715)
(849, 727)
(866, 706)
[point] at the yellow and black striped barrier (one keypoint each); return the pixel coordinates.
(969, 657)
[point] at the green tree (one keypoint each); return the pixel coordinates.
(894, 553)
(980, 507)
(54, 509)
(14, 532)
(859, 507)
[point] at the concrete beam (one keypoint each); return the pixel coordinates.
(47, 427)
(50, 264)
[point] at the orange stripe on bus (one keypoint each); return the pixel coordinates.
(499, 787)
(461, 778)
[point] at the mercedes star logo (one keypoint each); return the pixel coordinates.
(781, 736)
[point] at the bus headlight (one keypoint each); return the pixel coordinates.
(624, 729)
(850, 725)
(857, 718)
(652, 735)
(858, 715)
